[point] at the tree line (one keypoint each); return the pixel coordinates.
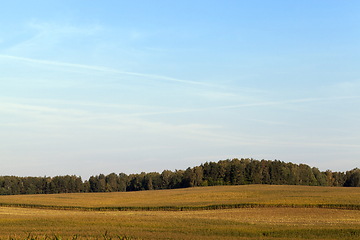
(224, 172)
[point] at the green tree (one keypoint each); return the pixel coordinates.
(166, 178)
(320, 177)
(306, 175)
(112, 182)
(352, 178)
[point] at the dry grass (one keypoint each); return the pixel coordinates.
(268, 194)
(214, 224)
(246, 223)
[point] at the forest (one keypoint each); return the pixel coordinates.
(224, 172)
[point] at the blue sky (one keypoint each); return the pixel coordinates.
(130, 86)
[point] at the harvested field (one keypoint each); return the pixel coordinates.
(274, 222)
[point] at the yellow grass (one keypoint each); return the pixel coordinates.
(200, 196)
(246, 223)
(214, 224)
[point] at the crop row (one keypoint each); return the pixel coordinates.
(186, 208)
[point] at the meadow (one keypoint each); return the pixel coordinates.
(226, 212)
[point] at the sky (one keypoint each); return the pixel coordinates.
(90, 87)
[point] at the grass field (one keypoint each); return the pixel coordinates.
(269, 221)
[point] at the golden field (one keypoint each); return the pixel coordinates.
(235, 223)
(198, 196)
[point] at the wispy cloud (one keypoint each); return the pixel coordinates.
(157, 110)
(247, 105)
(136, 35)
(104, 69)
(61, 124)
(42, 37)
(52, 28)
(346, 87)
(303, 100)
(273, 122)
(40, 117)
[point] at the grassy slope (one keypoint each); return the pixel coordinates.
(201, 196)
(253, 223)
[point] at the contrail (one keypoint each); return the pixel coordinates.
(104, 69)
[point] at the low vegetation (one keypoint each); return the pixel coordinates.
(267, 212)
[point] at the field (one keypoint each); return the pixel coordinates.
(222, 212)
